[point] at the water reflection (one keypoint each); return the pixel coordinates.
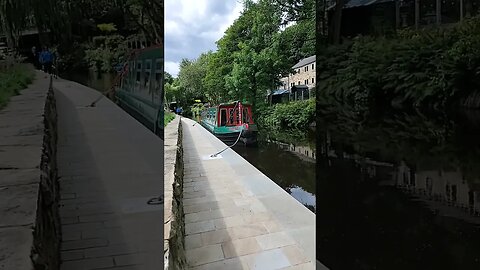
(98, 81)
(290, 165)
(398, 191)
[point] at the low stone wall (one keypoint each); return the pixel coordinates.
(29, 194)
(174, 223)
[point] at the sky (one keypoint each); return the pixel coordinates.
(193, 27)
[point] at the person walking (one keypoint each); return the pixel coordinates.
(46, 59)
(35, 57)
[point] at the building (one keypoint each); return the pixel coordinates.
(299, 84)
(303, 74)
(379, 17)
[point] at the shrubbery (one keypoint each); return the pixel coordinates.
(434, 67)
(292, 115)
(12, 80)
(168, 117)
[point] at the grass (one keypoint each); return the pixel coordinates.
(168, 118)
(12, 81)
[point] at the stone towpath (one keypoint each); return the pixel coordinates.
(110, 166)
(235, 216)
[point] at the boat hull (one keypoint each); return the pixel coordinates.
(248, 137)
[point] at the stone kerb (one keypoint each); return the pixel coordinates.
(174, 223)
(29, 227)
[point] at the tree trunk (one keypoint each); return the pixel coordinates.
(337, 21)
(468, 8)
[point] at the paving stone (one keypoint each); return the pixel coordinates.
(217, 236)
(303, 266)
(131, 259)
(82, 244)
(267, 260)
(274, 240)
(71, 255)
(203, 255)
(228, 222)
(198, 227)
(193, 241)
(240, 247)
(249, 230)
(109, 251)
(228, 264)
(295, 254)
(88, 264)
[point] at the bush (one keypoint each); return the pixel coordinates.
(13, 80)
(110, 52)
(296, 115)
(434, 67)
(168, 117)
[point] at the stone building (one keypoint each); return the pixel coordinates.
(303, 74)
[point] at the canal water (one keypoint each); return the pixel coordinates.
(398, 190)
(101, 82)
(288, 160)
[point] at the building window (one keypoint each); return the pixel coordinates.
(306, 68)
(313, 66)
(298, 82)
(298, 71)
(313, 81)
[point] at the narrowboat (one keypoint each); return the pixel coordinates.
(139, 87)
(231, 122)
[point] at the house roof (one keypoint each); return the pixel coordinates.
(298, 87)
(305, 61)
(280, 92)
(360, 3)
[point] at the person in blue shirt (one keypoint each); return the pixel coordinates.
(46, 60)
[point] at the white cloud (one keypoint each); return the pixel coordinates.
(172, 68)
(193, 27)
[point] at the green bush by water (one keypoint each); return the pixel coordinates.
(13, 80)
(292, 115)
(432, 67)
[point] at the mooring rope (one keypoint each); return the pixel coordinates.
(239, 135)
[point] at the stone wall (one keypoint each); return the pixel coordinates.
(174, 223)
(30, 227)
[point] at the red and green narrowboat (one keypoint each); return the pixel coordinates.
(229, 121)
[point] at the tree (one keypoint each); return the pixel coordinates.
(336, 23)
(168, 78)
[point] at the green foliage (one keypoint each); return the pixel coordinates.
(107, 27)
(12, 80)
(433, 67)
(197, 109)
(292, 115)
(168, 117)
(110, 52)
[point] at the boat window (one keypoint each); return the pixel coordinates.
(139, 72)
(230, 112)
(148, 69)
(223, 117)
(245, 116)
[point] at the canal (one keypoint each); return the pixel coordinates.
(101, 82)
(288, 160)
(398, 190)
